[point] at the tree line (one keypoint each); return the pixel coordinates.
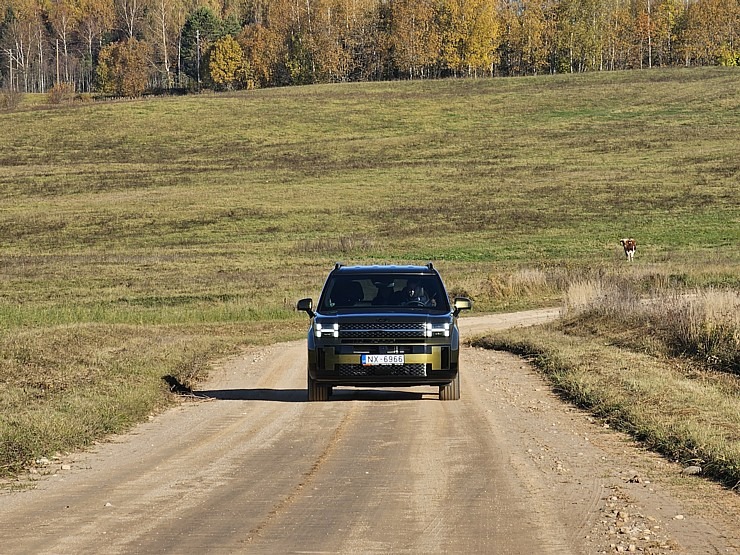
(127, 47)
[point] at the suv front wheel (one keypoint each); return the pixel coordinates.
(450, 391)
(317, 392)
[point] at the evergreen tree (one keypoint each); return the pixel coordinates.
(202, 28)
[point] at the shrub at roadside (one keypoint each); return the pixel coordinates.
(123, 68)
(61, 92)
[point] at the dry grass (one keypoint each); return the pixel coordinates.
(674, 407)
(665, 368)
(67, 386)
(703, 324)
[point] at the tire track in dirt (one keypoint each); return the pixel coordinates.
(308, 477)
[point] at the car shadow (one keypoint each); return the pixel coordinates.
(352, 394)
(299, 395)
(275, 395)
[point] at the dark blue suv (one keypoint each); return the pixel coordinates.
(383, 326)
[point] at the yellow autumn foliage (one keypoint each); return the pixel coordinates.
(227, 65)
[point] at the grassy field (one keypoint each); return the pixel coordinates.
(141, 239)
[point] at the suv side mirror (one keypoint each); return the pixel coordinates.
(306, 305)
(462, 303)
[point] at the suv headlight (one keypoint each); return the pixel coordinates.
(437, 330)
(331, 330)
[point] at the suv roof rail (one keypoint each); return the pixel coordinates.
(430, 265)
(338, 265)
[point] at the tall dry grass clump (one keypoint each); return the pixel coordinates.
(507, 289)
(660, 364)
(521, 282)
(614, 297)
(703, 325)
(582, 295)
(706, 326)
(9, 99)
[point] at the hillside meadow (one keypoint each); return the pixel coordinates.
(141, 239)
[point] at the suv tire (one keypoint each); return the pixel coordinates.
(317, 392)
(450, 391)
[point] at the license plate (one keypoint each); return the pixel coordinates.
(376, 360)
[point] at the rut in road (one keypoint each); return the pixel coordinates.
(283, 505)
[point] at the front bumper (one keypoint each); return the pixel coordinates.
(423, 365)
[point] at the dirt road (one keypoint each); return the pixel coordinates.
(252, 468)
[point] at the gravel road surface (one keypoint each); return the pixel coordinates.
(248, 466)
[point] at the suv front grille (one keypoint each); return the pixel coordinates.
(418, 370)
(372, 330)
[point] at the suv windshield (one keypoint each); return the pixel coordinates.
(384, 291)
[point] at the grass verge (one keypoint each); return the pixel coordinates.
(65, 387)
(674, 405)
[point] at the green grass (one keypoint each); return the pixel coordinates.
(208, 216)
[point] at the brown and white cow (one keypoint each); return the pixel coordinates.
(630, 246)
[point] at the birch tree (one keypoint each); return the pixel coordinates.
(64, 16)
(25, 45)
(581, 34)
(165, 23)
(414, 36)
(712, 31)
(96, 17)
(665, 18)
(528, 29)
(130, 13)
(471, 36)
